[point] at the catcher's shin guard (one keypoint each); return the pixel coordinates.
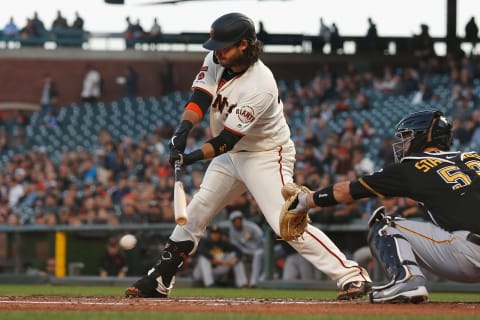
(391, 250)
(160, 279)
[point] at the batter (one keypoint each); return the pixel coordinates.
(251, 151)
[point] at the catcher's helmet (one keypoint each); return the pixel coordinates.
(419, 130)
(228, 30)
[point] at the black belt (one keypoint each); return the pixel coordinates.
(474, 238)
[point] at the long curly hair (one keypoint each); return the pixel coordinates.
(251, 54)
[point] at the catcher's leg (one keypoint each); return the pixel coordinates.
(395, 255)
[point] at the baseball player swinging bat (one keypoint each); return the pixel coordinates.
(179, 197)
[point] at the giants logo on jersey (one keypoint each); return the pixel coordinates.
(221, 102)
(245, 114)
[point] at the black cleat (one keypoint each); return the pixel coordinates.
(354, 290)
(144, 288)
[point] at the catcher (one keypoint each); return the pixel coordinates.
(445, 184)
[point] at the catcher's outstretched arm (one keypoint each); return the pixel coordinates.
(331, 195)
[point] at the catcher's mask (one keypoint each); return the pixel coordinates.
(230, 29)
(419, 130)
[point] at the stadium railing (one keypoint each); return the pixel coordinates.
(190, 41)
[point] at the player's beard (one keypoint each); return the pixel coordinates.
(238, 61)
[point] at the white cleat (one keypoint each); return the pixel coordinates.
(411, 291)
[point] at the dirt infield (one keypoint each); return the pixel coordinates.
(257, 306)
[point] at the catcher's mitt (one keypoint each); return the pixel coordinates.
(293, 222)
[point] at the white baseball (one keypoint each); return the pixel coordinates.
(128, 241)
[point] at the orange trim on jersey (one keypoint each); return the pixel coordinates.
(237, 133)
(424, 236)
(195, 108)
(280, 158)
(363, 183)
(336, 257)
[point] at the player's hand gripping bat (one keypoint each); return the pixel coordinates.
(179, 197)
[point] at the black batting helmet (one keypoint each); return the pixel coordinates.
(228, 30)
(419, 130)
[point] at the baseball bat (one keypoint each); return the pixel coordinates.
(179, 197)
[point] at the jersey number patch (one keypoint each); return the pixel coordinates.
(454, 175)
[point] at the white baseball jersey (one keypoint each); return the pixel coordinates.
(261, 162)
(247, 105)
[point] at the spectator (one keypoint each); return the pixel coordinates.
(372, 29)
(16, 190)
(323, 37)
(129, 33)
(28, 30)
(38, 25)
(50, 266)
(336, 42)
(216, 258)
(372, 36)
(248, 237)
(138, 31)
(423, 94)
(11, 31)
(362, 102)
(78, 22)
(463, 130)
(131, 83)
(471, 33)
(423, 44)
(48, 98)
(366, 131)
(262, 34)
(91, 90)
(60, 22)
(113, 263)
(51, 120)
(461, 109)
(156, 32)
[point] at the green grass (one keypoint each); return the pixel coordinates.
(89, 291)
(93, 291)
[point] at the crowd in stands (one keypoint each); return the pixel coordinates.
(135, 33)
(130, 181)
(34, 27)
(34, 32)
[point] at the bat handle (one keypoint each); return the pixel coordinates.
(178, 167)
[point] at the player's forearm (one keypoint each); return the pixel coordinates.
(330, 196)
(212, 148)
(191, 116)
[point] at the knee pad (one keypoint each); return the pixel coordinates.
(389, 251)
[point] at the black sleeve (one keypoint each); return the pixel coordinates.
(392, 181)
(202, 99)
(359, 191)
(224, 142)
